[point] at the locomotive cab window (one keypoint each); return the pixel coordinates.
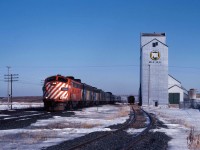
(62, 79)
(51, 79)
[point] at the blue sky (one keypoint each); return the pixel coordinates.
(94, 40)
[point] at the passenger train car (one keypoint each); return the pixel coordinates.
(60, 92)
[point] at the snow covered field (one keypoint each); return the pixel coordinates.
(19, 105)
(183, 126)
(52, 131)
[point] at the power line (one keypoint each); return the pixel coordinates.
(77, 66)
(30, 83)
(99, 66)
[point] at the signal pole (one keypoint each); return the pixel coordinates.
(10, 78)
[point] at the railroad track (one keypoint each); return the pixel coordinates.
(142, 136)
(132, 122)
(21, 118)
(132, 119)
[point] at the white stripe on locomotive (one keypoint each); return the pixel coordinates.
(60, 92)
(64, 96)
(49, 91)
(56, 91)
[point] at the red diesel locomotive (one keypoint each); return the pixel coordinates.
(60, 92)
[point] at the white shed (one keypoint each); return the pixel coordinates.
(177, 93)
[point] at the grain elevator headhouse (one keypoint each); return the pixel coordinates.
(153, 69)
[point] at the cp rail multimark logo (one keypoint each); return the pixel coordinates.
(155, 55)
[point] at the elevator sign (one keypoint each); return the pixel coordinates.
(155, 56)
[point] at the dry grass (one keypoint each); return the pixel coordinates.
(87, 125)
(66, 125)
(25, 137)
(193, 140)
(38, 137)
(123, 112)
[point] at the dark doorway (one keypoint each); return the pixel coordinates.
(174, 98)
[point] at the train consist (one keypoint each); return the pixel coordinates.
(60, 92)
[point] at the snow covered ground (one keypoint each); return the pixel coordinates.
(19, 105)
(52, 131)
(181, 123)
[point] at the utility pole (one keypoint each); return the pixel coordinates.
(10, 78)
(14, 77)
(8, 90)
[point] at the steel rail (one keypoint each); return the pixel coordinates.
(132, 119)
(141, 136)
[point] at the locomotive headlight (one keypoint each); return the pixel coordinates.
(46, 97)
(54, 83)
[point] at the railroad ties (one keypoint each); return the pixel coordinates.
(142, 120)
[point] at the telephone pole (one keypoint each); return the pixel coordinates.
(8, 90)
(10, 78)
